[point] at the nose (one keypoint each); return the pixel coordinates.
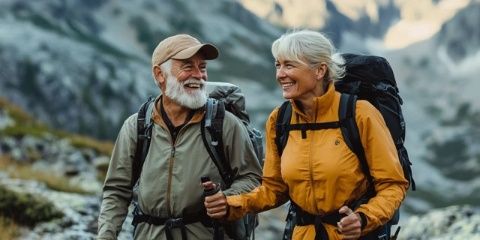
(280, 73)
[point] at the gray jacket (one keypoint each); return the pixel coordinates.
(169, 184)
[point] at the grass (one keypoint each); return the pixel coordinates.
(26, 172)
(8, 229)
(101, 147)
(26, 209)
(27, 125)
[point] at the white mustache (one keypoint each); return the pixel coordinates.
(201, 82)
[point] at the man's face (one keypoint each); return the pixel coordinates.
(185, 83)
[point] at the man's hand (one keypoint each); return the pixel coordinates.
(215, 204)
(350, 226)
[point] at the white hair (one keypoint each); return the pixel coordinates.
(311, 48)
(176, 91)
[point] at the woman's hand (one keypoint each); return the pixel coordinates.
(351, 225)
(215, 204)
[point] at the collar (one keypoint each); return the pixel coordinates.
(322, 103)
(157, 116)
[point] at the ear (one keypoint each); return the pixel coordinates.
(321, 71)
(158, 74)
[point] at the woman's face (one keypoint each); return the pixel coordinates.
(297, 80)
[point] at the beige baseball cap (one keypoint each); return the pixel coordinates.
(182, 46)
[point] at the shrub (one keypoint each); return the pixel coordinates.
(26, 209)
(8, 229)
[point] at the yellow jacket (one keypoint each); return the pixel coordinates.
(321, 174)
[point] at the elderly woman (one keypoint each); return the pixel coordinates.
(317, 171)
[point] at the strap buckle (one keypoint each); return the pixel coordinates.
(174, 223)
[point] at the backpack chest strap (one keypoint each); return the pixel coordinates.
(304, 127)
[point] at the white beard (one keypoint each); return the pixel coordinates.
(193, 99)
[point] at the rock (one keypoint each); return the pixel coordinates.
(5, 120)
(451, 223)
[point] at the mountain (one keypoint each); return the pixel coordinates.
(436, 81)
(85, 65)
(332, 17)
(433, 47)
(397, 23)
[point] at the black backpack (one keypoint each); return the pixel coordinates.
(368, 78)
(222, 96)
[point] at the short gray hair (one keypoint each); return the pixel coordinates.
(311, 48)
(166, 67)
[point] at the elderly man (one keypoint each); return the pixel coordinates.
(168, 193)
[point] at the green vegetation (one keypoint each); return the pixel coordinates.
(8, 229)
(26, 209)
(20, 116)
(26, 125)
(102, 147)
(24, 171)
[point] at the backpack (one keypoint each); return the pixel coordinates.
(368, 78)
(222, 97)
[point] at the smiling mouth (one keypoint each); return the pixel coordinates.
(287, 85)
(194, 84)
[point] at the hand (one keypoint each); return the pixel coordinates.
(215, 204)
(349, 226)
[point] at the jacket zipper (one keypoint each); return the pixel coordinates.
(169, 181)
(170, 172)
(310, 164)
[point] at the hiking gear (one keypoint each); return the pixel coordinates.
(321, 174)
(225, 96)
(172, 223)
(217, 229)
(222, 97)
(168, 183)
(370, 78)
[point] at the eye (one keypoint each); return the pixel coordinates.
(187, 67)
(203, 67)
(277, 65)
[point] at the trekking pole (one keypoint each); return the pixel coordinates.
(394, 237)
(217, 228)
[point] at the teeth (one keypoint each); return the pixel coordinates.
(193, 85)
(288, 84)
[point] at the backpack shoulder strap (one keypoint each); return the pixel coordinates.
(144, 133)
(350, 132)
(212, 135)
(281, 127)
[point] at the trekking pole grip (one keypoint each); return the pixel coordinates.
(218, 233)
(209, 191)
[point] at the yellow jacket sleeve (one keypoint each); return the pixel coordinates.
(382, 158)
(273, 191)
